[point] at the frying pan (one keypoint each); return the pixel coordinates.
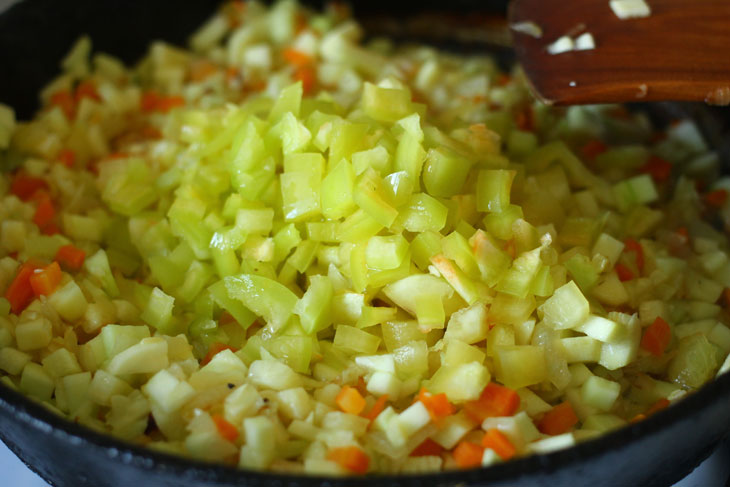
(35, 34)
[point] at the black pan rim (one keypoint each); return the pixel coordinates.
(36, 416)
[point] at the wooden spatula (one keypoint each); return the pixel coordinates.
(681, 51)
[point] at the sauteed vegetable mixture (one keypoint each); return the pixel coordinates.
(285, 249)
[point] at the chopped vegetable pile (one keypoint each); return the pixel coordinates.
(283, 249)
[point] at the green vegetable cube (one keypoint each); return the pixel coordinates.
(36, 382)
(34, 334)
(386, 252)
(600, 393)
(493, 189)
(566, 308)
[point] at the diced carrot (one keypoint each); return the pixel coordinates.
(468, 454)
(296, 58)
(558, 420)
(503, 79)
(67, 157)
(593, 148)
(377, 408)
(45, 281)
(659, 169)
(662, 403)
(214, 349)
(65, 101)
(717, 198)
(167, 103)
(149, 100)
(361, 386)
(50, 229)
(86, 89)
(634, 246)
(117, 155)
(44, 211)
(150, 132)
(525, 119)
(494, 401)
(306, 75)
(657, 337)
(624, 273)
(350, 400)
(637, 418)
(256, 86)
(225, 428)
(24, 186)
(428, 448)
(202, 69)
(70, 257)
(351, 458)
(438, 405)
(20, 293)
(232, 72)
(497, 441)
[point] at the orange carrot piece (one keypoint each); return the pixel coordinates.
(86, 89)
(624, 273)
(558, 420)
(45, 211)
(351, 458)
(350, 401)
(50, 229)
(662, 403)
(717, 198)
(657, 337)
(65, 101)
(149, 101)
(296, 58)
(468, 454)
(494, 401)
(503, 79)
(70, 257)
(214, 349)
(225, 428)
(45, 281)
(67, 157)
(307, 76)
(438, 405)
(24, 186)
(635, 247)
(150, 132)
(637, 418)
(20, 293)
(497, 441)
(659, 169)
(167, 103)
(593, 148)
(202, 69)
(377, 408)
(428, 448)
(525, 119)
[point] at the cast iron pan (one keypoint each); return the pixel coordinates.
(36, 33)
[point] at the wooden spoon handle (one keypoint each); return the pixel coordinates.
(680, 52)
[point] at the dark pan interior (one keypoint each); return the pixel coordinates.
(35, 34)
